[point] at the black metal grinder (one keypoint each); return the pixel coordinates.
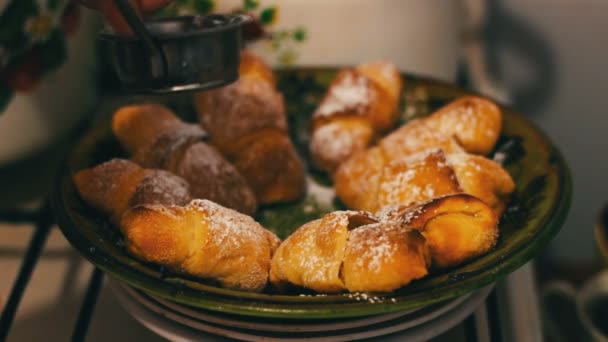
(174, 54)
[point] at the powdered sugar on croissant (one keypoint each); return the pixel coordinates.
(360, 104)
(202, 239)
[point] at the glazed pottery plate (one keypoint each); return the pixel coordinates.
(533, 217)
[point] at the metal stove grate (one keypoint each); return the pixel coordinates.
(41, 219)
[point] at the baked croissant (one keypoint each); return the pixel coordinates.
(457, 227)
(413, 163)
(360, 104)
(159, 139)
(370, 181)
(202, 239)
(119, 184)
(247, 123)
(350, 250)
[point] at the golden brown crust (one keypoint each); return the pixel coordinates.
(119, 184)
(136, 126)
(202, 239)
(270, 164)
(349, 250)
(383, 257)
(312, 256)
(416, 179)
(416, 136)
(338, 140)
(242, 108)
(386, 75)
(484, 179)
(353, 94)
(253, 66)
(457, 227)
(469, 124)
(357, 180)
(370, 180)
(212, 177)
(474, 122)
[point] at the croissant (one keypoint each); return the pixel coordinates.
(247, 123)
(410, 165)
(457, 228)
(202, 239)
(350, 250)
(360, 104)
(159, 139)
(369, 181)
(119, 184)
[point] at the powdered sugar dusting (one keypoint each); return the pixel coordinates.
(174, 212)
(351, 92)
(161, 187)
(362, 296)
(394, 188)
(461, 160)
(373, 246)
(333, 143)
(239, 109)
(417, 178)
(228, 227)
(213, 177)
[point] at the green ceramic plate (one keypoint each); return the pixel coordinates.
(531, 220)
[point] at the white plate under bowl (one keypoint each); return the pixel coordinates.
(185, 325)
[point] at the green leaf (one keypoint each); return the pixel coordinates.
(249, 5)
(12, 23)
(6, 94)
(299, 34)
(268, 15)
(203, 6)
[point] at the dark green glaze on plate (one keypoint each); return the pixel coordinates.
(534, 217)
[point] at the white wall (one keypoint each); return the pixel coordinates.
(575, 113)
